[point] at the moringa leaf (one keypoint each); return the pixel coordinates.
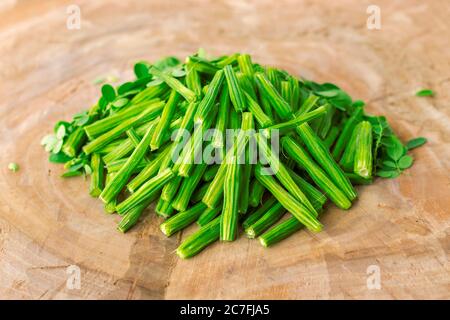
(416, 142)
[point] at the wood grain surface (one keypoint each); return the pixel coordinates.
(47, 223)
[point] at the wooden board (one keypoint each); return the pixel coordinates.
(47, 223)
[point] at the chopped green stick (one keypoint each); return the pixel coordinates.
(193, 81)
(280, 231)
(99, 127)
(163, 125)
(227, 60)
(150, 170)
(256, 193)
(290, 203)
(244, 184)
(164, 208)
(146, 191)
(114, 133)
(210, 173)
(281, 107)
(282, 173)
(175, 84)
(121, 178)
(246, 65)
(348, 157)
(294, 87)
(208, 215)
(150, 93)
(207, 103)
(307, 105)
(215, 189)
(170, 189)
(199, 193)
(182, 219)
(262, 119)
(110, 207)
(346, 133)
(14, 167)
(358, 180)
(266, 221)
(315, 172)
(97, 175)
(222, 118)
(199, 240)
(295, 122)
(315, 196)
(131, 217)
(229, 218)
(74, 142)
(247, 84)
(321, 154)
(273, 76)
(265, 105)
(259, 212)
(235, 91)
(363, 152)
(187, 187)
(201, 65)
(285, 91)
(116, 165)
(331, 137)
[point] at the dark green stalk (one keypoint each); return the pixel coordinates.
(150, 170)
(282, 173)
(74, 142)
(246, 65)
(295, 93)
(104, 125)
(235, 91)
(182, 219)
(208, 215)
(164, 208)
(163, 124)
(363, 153)
(175, 84)
(222, 117)
(295, 122)
(187, 187)
(132, 216)
(281, 107)
(263, 120)
(315, 172)
(266, 221)
(146, 191)
(280, 231)
(256, 193)
(331, 137)
(358, 180)
(321, 154)
(199, 240)
(315, 196)
(199, 193)
(348, 157)
(121, 178)
(208, 101)
(259, 212)
(346, 133)
(307, 105)
(97, 175)
(230, 217)
(290, 203)
(114, 133)
(210, 173)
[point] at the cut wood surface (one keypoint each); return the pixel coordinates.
(401, 226)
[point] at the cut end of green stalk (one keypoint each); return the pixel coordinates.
(251, 234)
(263, 242)
(167, 232)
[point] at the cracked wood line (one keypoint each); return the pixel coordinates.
(46, 223)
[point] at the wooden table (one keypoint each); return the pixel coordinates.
(400, 226)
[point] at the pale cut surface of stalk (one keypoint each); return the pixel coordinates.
(363, 153)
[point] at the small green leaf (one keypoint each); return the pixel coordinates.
(425, 93)
(61, 132)
(125, 87)
(154, 83)
(14, 167)
(99, 80)
(69, 174)
(108, 92)
(390, 164)
(358, 104)
(405, 162)
(141, 70)
(178, 73)
(396, 150)
(386, 174)
(119, 103)
(414, 143)
(60, 157)
(57, 147)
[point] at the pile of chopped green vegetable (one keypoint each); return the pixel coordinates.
(127, 143)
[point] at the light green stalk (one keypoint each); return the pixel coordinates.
(97, 175)
(182, 219)
(363, 153)
(175, 84)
